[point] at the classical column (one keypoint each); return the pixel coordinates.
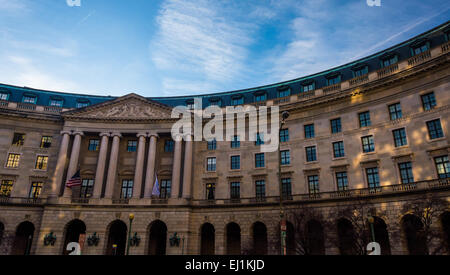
(151, 159)
(187, 173)
(139, 166)
(60, 165)
(176, 170)
(112, 170)
(101, 163)
(73, 163)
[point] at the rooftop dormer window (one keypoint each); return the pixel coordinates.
(30, 99)
(308, 87)
(284, 92)
(360, 71)
(419, 47)
(82, 104)
(237, 100)
(388, 61)
(56, 102)
(215, 102)
(260, 97)
(332, 80)
(4, 96)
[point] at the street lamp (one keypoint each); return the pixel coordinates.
(371, 221)
(283, 228)
(131, 217)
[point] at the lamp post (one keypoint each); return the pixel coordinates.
(131, 217)
(283, 228)
(371, 221)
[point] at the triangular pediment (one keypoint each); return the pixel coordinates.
(129, 107)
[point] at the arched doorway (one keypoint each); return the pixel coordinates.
(23, 239)
(415, 239)
(233, 239)
(381, 235)
(290, 239)
(207, 239)
(445, 220)
(158, 238)
(117, 238)
(259, 238)
(346, 235)
(316, 240)
(72, 234)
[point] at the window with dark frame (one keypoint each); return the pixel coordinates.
(336, 125)
(259, 139)
(29, 99)
(18, 139)
(41, 163)
(165, 189)
(235, 162)
(373, 180)
(360, 71)
(237, 101)
(428, 101)
(364, 119)
(87, 188)
(94, 145)
(338, 149)
(46, 142)
(420, 49)
(4, 96)
(308, 87)
(389, 61)
(368, 144)
(442, 167)
(309, 131)
(284, 93)
(435, 129)
(284, 135)
(333, 80)
(6, 188)
(259, 160)
(285, 157)
(395, 111)
(168, 146)
(211, 164)
(127, 189)
(406, 173)
(311, 154)
(260, 186)
(235, 142)
(313, 184)
(132, 146)
(342, 181)
(56, 102)
(13, 160)
(35, 190)
(400, 137)
(212, 145)
(260, 97)
(235, 190)
(210, 191)
(286, 188)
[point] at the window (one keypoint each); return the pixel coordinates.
(259, 160)
(342, 181)
(313, 184)
(212, 144)
(311, 154)
(368, 144)
(237, 101)
(168, 146)
(235, 142)
(284, 135)
(428, 101)
(216, 102)
(210, 188)
(87, 186)
(132, 146)
(285, 157)
(6, 188)
(420, 49)
(442, 167)
(259, 139)
(364, 119)
(235, 162)
(211, 164)
(308, 87)
(286, 188)
(360, 71)
(127, 189)
(400, 137)
(235, 190)
(284, 93)
(41, 163)
(165, 189)
(395, 111)
(406, 174)
(13, 161)
(35, 190)
(56, 102)
(4, 96)
(46, 142)
(18, 139)
(29, 99)
(94, 145)
(309, 131)
(435, 129)
(260, 189)
(333, 80)
(389, 61)
(336, 126)
(82, 104)
(338, 149)
(260, 97)
(373, 179)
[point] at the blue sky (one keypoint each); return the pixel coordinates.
(174, 47)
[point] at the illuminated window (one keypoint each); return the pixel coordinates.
(87, 186)
(41, 163)
(46, 142)
(210, 191)
(5, 188)
(35, 190)
(18, 139)
(442, 167)
(94, 145)
(13, 161)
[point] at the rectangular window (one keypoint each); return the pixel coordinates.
(217, 103)
(284, 93)
(259, 160)
(132, 146)
(442, 167)
(212, 145)
(400, 137)
(235, 142)
(259, 139)
(13, 160)
(235, 162)
(336, 126)
(368, 144)
(285, 157)
(235, 190)
(389, 61)
(364, 119)
(260, 97)
(373, 180)
(284, 135)
(237, 101)
(29, 99)
(435, 129)
(308, 87)
(311, 154)
(313, 184)
(127, 189)
(41, 163)
(4, 96)
(260, 189)
(286, 188)
(56, 103)
(94, 145)
(165, 189)
(35, 190)
(428, 101)
(211, 164)
(309, 131)
(333, 80)
(406, 174)
(395, 111)
(361, 71)
(6, 188)
(420, 49)
(82, 104)
(338, 149)
(46, 142)
(168, 146)
(18, 139)
(87, 187)
(342, 181)
(210, 191)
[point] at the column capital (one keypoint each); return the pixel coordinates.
(78, 133)
(153, 135)
(65, 133)
(141, 134)
(116, 134)
(105, 134)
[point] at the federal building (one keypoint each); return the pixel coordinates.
(375, 130)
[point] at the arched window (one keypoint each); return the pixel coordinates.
(316, 240)
(23, 239)
(73, 231)
(445, 220)
(158, 238)
(233, 239)
(347, 238)
(207, 239)
(117, 238)
(382, 235)
(414, 235)
(259, 238)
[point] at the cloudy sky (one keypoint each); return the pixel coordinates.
(180, 47)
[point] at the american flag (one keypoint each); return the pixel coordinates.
(74, 181)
